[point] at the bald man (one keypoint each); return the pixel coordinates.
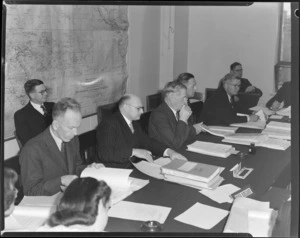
(120, 137)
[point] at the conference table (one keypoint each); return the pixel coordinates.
(268, 166)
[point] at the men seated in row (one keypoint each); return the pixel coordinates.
(222, 109)
(120, 136)
(51, 160)
(170, 122)
(36, 116)
(248, 94)
(282, 98)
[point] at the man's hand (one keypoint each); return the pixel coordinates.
(144, 154)
(67, 179)
(275, 106)
(184, 113)
(198, 127)
(249, 89)
(96, 165)
(253, 118)
(174, 155)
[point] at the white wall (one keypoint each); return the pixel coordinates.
(219, 36)
(143, 50)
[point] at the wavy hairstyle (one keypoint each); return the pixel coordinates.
(10, 178)
(80, 201)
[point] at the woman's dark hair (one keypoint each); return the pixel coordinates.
(79, 203)
(10, 178)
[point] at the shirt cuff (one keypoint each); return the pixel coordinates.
(166, 152)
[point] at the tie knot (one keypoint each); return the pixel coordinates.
(44, 110)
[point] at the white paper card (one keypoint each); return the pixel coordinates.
(202, 216)
(139, 212)
(222, 193)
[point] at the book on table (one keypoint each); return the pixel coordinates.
(280, 130)
(191, 170)
(213, 149)
(212, 184)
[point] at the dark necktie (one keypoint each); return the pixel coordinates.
(44, 110)
(64, 152)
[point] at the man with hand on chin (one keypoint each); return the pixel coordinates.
(170, 122)
(120, 137)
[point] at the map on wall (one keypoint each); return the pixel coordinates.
(77, 51)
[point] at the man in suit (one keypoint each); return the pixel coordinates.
(51, 160)
(36, 116)
(169, 123)
(221, 108)
(120, 137)
(282, 98)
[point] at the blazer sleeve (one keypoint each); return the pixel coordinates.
(32, 174)
(175, 139)
(279, 96)
(157, 148)
(218, 113)
(111, 146)
(22, 130)
(77, 157)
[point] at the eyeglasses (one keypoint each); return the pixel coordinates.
(138, 108)
(238, 70)
(43, 91)
(235, 85)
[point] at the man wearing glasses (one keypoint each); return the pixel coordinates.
(120, 137)
(36, 116)
(170, 122)
(222, 109)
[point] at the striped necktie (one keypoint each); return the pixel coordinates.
(44, 110)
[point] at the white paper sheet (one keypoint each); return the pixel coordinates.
(222, 193)
(276, 117)
(139, 211)
(202, 216)
(41, 200)
(266, 110)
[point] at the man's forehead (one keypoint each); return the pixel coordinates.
(41, 86)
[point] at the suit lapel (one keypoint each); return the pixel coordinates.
(125, 128)
(171, 115)
(70, 157)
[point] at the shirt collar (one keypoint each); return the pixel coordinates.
(37, 107)
(229, 97)
(127, 120)
(57, 140)
(174, 112)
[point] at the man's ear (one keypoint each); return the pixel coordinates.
(55, 124)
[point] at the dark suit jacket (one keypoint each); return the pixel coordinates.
(29, 122)
(245, 83)
(115, 141)
(42, 164)
(164, 127)
(217, 110)
(282, 95)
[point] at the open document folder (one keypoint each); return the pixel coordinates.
(251, 216)
(118, 180)
(32, 212)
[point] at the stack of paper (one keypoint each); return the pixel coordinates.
(213, 149)
(277, 144)
(32, 212)
(196, 175)
(245, 138)
(280, 130)
(250, 216)
(254, 125)
(118, 180)
(219, 130)
(266, 110)
(285, 112)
